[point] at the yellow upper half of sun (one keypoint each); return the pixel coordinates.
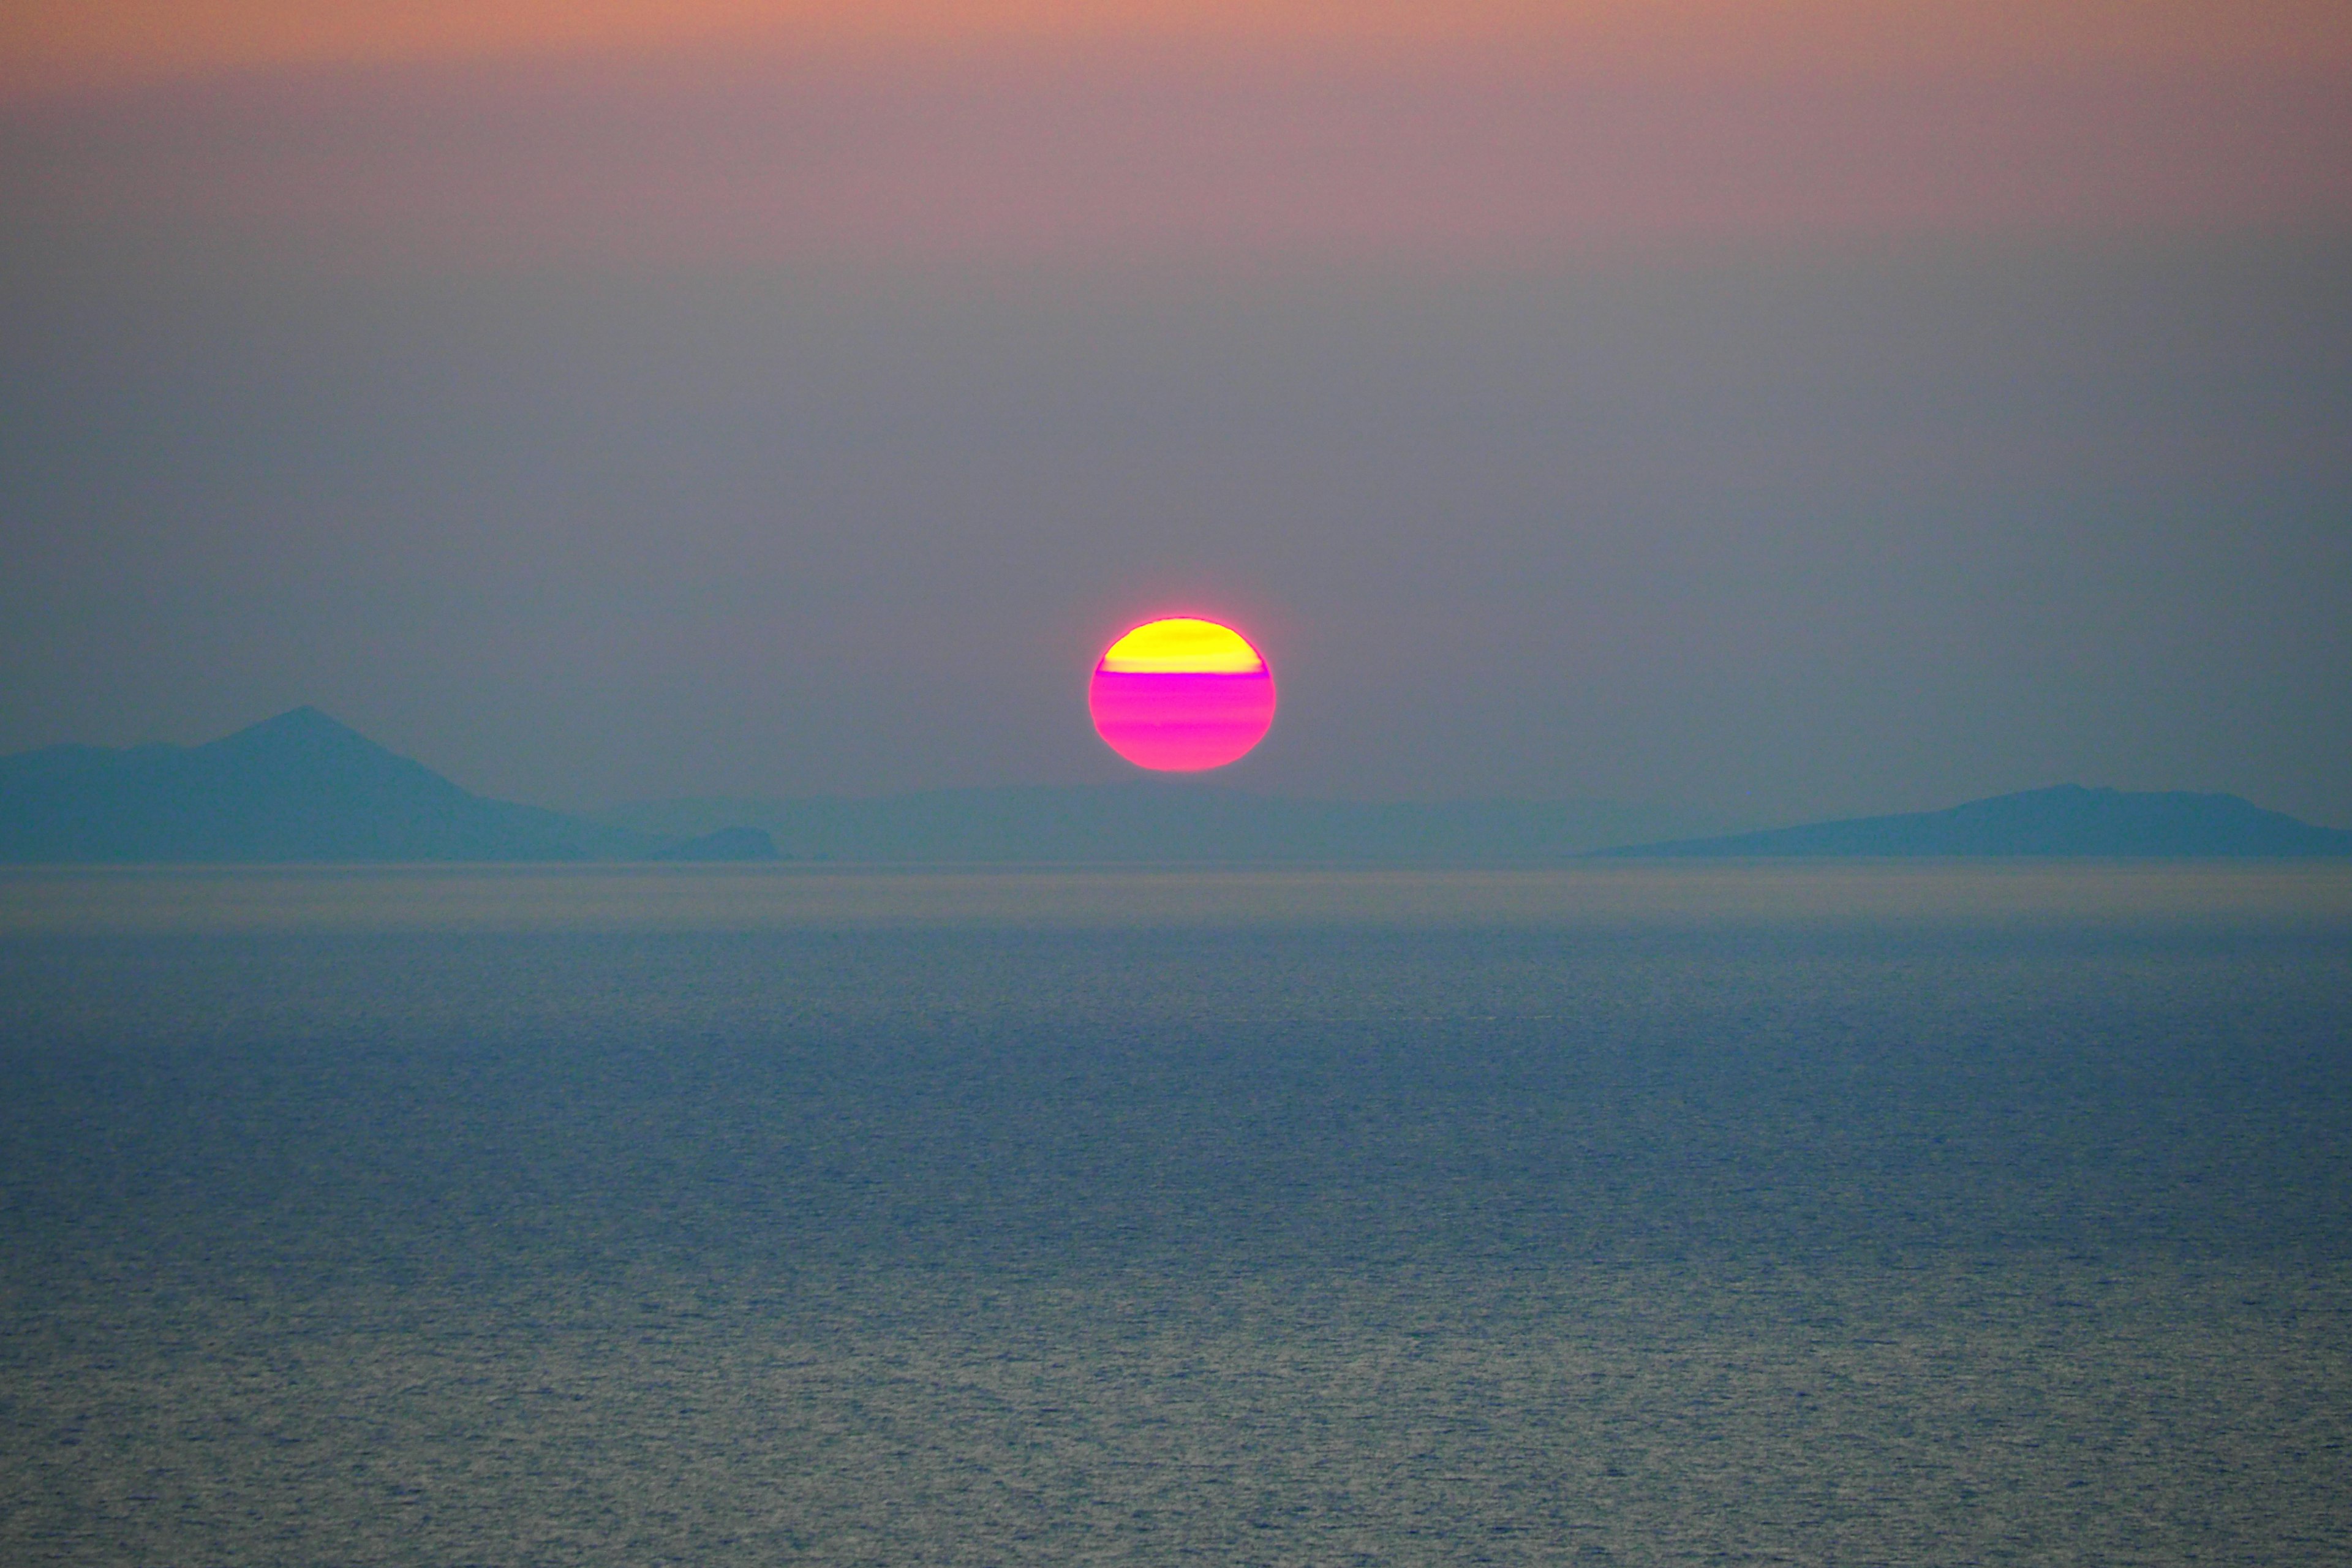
(1183, 646)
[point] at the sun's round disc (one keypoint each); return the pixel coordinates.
(1181, 695)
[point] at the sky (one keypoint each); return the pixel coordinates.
(1782, 411)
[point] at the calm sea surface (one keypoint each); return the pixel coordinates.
(1861, 1213)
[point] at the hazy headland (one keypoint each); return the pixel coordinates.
(303, 788)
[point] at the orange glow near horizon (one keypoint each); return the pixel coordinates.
(66, 45)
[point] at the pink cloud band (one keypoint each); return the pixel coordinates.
(1130, 155)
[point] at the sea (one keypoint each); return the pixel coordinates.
(1833, 1212)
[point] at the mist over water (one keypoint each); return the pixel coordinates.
(1648, 1216)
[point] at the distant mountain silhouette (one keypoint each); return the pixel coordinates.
(303, 788)
(727, 844)
(299, 786)
(2064, 820)
(1159, 820)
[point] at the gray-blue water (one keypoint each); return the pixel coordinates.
(1242, 1231)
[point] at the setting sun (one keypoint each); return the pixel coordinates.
(1181, 695)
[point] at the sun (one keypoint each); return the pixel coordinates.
(1181, 695)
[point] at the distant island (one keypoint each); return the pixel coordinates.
(302, 787)
(299, 787)
(1155, 818)
(2063, 820)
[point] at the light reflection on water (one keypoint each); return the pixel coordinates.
(1958, 1212)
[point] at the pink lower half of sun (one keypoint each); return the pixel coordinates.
(1180, 723)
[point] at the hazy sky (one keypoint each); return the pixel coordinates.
(1863, 407)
